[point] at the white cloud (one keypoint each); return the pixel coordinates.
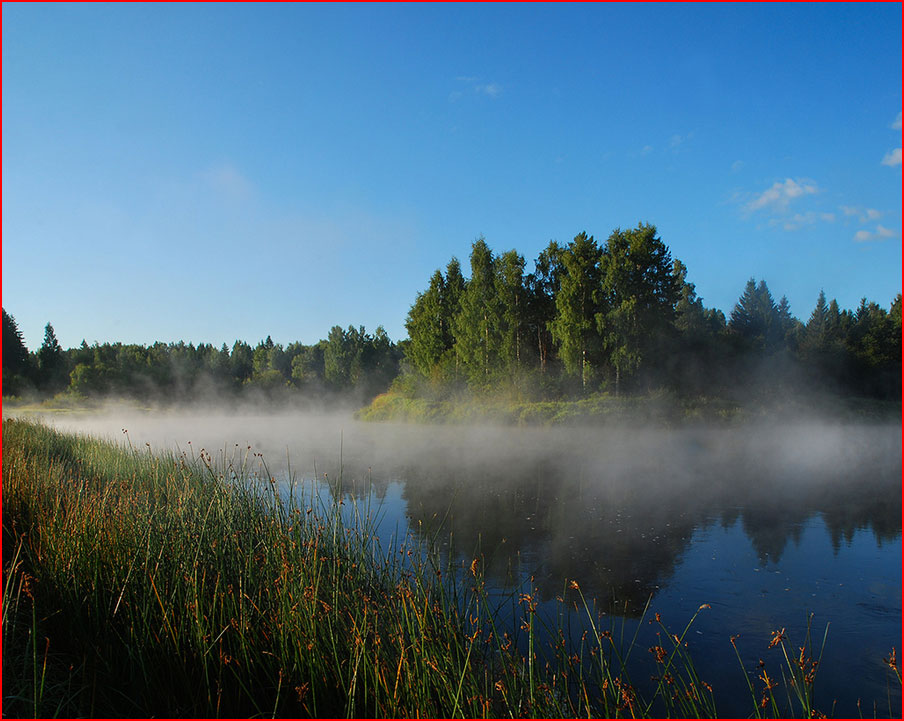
(892, 157)
(799, 220)
(881, 233)
(737, 165)
(491, 89)
(863, 214)
(781, 194)
(896, 123)
(646, 150)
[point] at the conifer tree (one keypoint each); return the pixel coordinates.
(757, 320)
(51, 363)
(817, 325)
(15, 354)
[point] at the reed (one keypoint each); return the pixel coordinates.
(140, 584)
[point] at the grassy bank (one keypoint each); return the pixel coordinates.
(607, 409)
(144, 585)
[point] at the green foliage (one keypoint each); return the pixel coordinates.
(574, 327)
(51, 364)
(542, 287)
(427, 326)
(639, 293)
(587, 316)
(510, 295)
(626, 312)
(241, 361)
(15, 354)
(308, 365)
(763, 325)
(476, 326)
(16, 367)
(355, 359)
(362, 365)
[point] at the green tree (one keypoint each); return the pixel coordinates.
(52, 374)
(874, 339)
(817, 325)
(512, 308)
(426, 325)
(786, 325)
(338, 357)
(260, 358)
(453, 290)
(241, 362)
(574, 327)
(639, 293)
(823, 349)
(308, 366)
(476, 326)
(757, 320)
(379, 363)
(696, 361)
(542, 287)
(15, 357)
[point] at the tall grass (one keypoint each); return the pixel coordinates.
(139, 584)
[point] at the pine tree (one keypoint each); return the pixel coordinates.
(757, 320)
(51, 363)
(817, 326)
(15, 354)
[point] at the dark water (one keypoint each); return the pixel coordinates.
(773, 526)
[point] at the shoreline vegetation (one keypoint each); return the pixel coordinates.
(400, 405)
(605, 409)
(139, 584)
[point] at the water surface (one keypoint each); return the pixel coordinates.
(773, 525)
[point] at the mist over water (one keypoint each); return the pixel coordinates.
(766, 522)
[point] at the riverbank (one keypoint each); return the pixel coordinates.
(192, 586)
(606, 409)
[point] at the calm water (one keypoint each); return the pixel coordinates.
(768, 524)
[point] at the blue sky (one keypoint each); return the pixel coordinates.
(216, 172)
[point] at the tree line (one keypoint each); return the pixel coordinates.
(616, 317)
(348, 362)
(621, 316)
